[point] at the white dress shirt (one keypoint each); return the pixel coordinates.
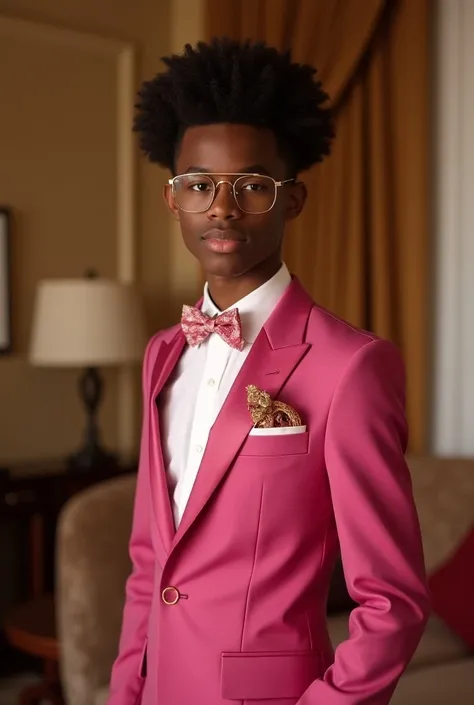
(204, 375)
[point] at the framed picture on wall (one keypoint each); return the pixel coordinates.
(5, 284)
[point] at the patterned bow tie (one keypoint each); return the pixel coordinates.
(197, 326)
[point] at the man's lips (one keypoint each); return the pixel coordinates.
(220, 234)
(223, 241)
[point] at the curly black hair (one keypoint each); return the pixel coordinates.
(228, 81)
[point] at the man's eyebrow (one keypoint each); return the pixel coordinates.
(196, 170)
(255, 169)
(252, 169)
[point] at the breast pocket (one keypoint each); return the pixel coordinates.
(286, 444)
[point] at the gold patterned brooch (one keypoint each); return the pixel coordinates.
(267, 413)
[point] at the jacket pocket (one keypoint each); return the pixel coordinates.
(143, 661)
(268, 674)
(284, 444)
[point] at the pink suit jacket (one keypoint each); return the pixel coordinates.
(244, 620)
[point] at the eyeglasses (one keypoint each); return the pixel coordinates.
(253, 193)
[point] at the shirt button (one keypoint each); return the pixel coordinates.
(199, 449)
(211, 382)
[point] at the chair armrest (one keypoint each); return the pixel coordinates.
(92, 566)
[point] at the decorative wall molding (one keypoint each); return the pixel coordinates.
(126, 265)
(453, 410)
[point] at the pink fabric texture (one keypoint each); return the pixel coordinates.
(197, 326)
(252, 558)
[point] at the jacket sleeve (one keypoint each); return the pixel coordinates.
(378, 531)
(126, 683)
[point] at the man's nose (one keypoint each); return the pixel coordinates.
(224, 206)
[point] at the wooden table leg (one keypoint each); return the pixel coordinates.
(47, 691)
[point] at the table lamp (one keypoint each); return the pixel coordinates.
(87, 323)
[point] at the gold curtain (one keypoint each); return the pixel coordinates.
(361, 245)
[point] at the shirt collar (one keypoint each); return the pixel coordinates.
(256, 307)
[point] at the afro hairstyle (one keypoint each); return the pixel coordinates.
(227, 81)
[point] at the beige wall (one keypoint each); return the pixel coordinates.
(57, 173)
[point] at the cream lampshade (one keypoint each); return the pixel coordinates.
(87, 323)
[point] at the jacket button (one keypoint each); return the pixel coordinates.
(170, 595)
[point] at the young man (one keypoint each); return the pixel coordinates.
(244, 499)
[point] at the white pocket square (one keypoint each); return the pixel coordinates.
(277, 431)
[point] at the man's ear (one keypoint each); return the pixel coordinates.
(297, 194)
(170, 202)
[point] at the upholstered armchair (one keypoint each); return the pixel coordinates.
(92, 567)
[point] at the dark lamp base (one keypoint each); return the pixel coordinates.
(91, 458)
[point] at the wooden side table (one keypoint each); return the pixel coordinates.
(35, 493)
(31, 628)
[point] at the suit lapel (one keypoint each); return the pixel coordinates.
(274, 355)
(166, 360)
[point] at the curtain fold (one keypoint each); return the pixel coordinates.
(331, 34)
(361, 245)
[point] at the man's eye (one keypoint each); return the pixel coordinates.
(253, 187)
(201, 187)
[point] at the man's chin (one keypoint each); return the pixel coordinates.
(226, 266)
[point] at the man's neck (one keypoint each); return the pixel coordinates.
(226, 292)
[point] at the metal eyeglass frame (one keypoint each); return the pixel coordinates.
(278, 184)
